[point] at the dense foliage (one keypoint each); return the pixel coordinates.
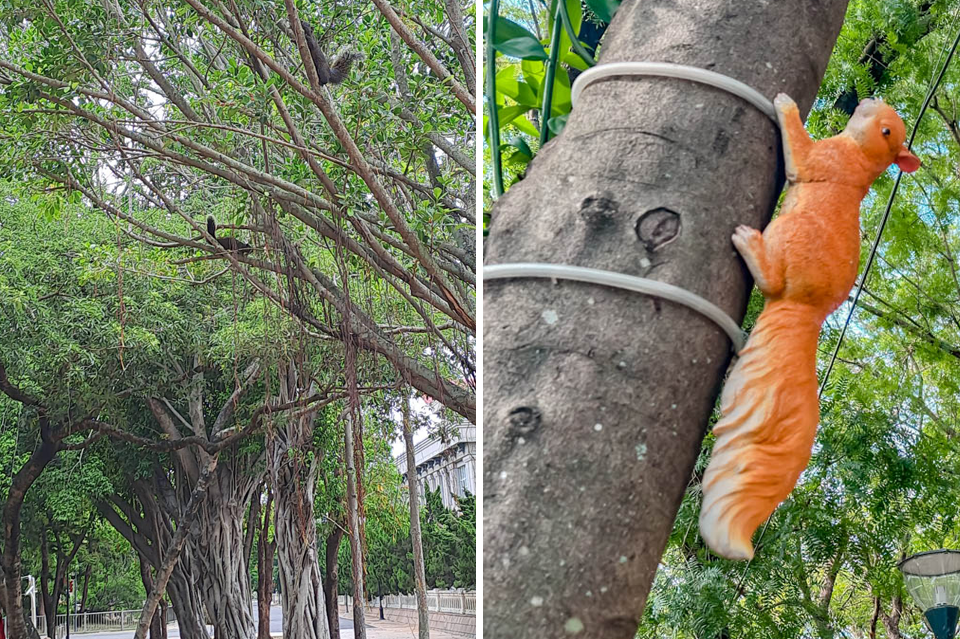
(61, 326)
(144, 361)
(157, 117)
(449, 548)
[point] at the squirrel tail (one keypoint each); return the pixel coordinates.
(770, 411)
(211, 226)
(334, 73)
(340, 68)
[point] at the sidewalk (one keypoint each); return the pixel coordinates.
(386, 629)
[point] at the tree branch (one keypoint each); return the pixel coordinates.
(426, 55)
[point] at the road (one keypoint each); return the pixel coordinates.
(173, 632)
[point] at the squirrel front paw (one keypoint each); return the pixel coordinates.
(746, 239)
(783, 103)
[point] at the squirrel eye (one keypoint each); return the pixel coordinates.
(885, 131)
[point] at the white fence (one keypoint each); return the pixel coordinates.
(95, 622)
(456, 601)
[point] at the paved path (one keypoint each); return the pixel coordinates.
(376, 629)
(173, 631)
(387, 629)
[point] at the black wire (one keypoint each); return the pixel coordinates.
(886, 215)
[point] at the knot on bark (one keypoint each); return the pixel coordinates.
(598, 211)
(523, 421)
(658, 227)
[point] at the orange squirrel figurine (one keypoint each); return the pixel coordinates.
(805, 264)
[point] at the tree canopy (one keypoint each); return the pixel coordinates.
(160, 116)
(217, 272)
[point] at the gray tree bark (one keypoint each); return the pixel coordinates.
(331, 580)
(265, 552)
(150, 534)
(596, 400)
(173, 552)
(419, 571)
(219, 548)
(353, 520)
(10, 568)
(301, 588)
(158, 629)
(292, 466)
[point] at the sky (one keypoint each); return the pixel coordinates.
(418, 406)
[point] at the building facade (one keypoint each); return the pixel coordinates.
(447, 460)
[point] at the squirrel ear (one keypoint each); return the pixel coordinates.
(907, 161)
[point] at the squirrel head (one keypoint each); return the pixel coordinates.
(880, 133)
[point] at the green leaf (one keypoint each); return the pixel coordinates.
(507, 115)
(556, 124)
(510, 30)
(533, 73)
(514, 40)
(523, 48)
(520, 92)
(517, 159)
(571, 59)
(523, 149)
(603, 9)
(526, 126)
(561, 95)
(576, 16)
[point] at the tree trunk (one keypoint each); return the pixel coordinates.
(265, 551)
(891, 622)
(60, 579)
(220, 550)
(161, 617)
(596, 399)
(380, 598)
(220, 547)
(86, 586)
(166, 568)
(156, 624)
(185, 599)
(19, 626)
(825, 596)
(353, 519)
(150, 534)
(254, 522)
(419, 572)
(48, 595)
(293, 476)
(331, 580)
